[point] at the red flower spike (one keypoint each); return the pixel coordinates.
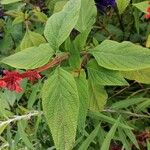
(31, 75)
(147, 16)
(12, 80)
(148, 9)
(2, 83)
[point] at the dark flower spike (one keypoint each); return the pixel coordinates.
(102, 4)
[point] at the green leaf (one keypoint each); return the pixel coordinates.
(80, 40)
(31, 39)
(60, 25)
(82, 86)
(124, 140)
(102, 117)
(148, 41)
(3, 2)
(142, 6)
(87, 15)
(142, 76)
(123, 56)
(61, 108)
(109, 136)
(128, 102)
(30, 58)
(148, 145)
(2, 127)
(132, 137)
(90, 138)
(74, 58)
(122, 5)
(19, 18)
(40, 16)
(143, 105)
(98, 97)
(24, 136)
(104, 76)
(59, 5)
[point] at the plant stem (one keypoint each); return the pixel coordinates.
(57, 60)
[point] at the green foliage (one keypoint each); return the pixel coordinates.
(95, 75)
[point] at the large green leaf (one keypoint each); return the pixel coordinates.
(87, 15)
(104, 76)
(61, 107)
(123, 56)
(82, 86)
(142, 76)
(59, 25)
(31, 39)
(30, 58)
(122, 5)
(98, 96)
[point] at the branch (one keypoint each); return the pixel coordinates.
(23, 117)
(57, 60)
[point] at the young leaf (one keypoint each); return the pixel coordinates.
(59, 25)
(90, 138)
(61, 108)
(123, 56)
(98, 97)
(110, 135)
(104, 76)
(80, 40)
(82, 87)
(74, 58)
(122, 5)
(31, 39)
(87, 15)
(142, 6)
(30, 58)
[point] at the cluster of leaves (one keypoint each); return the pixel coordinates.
(95, 67)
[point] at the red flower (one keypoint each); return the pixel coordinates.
(31, 75)
(147, 16)
(12, 80)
